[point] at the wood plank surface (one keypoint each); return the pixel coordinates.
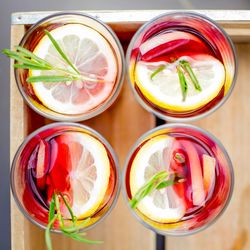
(121, 125)
(235, 22)
(17, 128)
(231, 125)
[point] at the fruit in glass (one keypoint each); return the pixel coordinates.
(203, 179)
(181, 66)
(88, 81)
(67, 159)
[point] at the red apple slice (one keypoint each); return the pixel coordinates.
(196, 174)
(178, 165)
(58, 178)
(169, 42)
(209, 164)
(42, 164)
(60, 164)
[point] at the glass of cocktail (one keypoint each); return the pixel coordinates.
(75, 70)
(178, 179)
(67, 168)
(181, 66)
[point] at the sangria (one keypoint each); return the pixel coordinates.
(178, 179)
(69, 66)
(181, 66)
(70, 167)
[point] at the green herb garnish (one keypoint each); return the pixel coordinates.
(68, 227)
(158, 70)
(156, 182)
(183, 83)
(52, 219)
(50, 79)
(60, 51)
(186, 66)
(179, 157)
(25, 59)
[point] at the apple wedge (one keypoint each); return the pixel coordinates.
(209, 164)
(42, 164)
(196, 174)
(167, 43)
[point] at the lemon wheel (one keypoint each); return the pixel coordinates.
(89, 176)
(93, 57)
(162, 205)
(164, 88)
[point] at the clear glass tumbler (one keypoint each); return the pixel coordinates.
(202, 176)
(69, 159)
(164, 49)
(96, 53)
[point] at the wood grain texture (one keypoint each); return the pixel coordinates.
(230, 124)
(122, 124)
(238, 31)
(17, 128)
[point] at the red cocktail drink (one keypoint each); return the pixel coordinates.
(181, 66)
(71, 161)
(199, 172)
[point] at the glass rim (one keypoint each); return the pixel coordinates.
(203, 114)
(105, 105)
(135, 146)
(53, 125)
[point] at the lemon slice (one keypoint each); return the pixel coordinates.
(89, 177)
(91, 54)
(162, 205)
(164, 88)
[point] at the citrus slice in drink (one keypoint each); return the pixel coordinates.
(82, 173)
(162, 205)
(164, 90)
(93, 57)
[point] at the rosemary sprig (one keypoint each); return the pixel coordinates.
(157, 181)
(179, 157)
(25, 59)
(72, 229)
(52, 209)
(183, 83)
(50, 78)
(52, 219)
(60, 51)
(47, 232)
(157, 71)
(27, 53)
(73, 218)
(186, 66)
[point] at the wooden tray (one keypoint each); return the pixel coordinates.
(124, 122)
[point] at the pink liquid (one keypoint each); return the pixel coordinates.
(84, 91)
(202, 205)
(46, 167)
(170, 52)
